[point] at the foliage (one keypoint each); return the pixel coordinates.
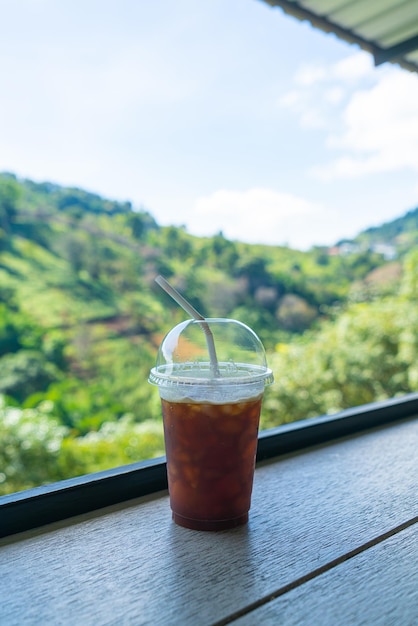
(30, 445)
(116, 443)
(36, 449)
(294, 313)
(9, 199)
(25, 372)
(393, 231)
(369, 352)
(81, 320)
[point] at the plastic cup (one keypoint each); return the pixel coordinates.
(211, 421)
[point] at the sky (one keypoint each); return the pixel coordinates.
(224, 115)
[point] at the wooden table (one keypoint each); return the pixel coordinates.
(332, 539)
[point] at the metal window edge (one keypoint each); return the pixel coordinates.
(396, 53)
(26, 510)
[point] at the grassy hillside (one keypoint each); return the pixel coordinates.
(81, 319)
(402, 233)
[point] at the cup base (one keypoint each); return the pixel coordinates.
(213, 525)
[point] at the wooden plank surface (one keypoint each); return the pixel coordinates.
(378, 586)
(131, 565)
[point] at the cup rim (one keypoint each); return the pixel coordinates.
(245, 374)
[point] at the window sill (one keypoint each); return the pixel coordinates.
(36, 507)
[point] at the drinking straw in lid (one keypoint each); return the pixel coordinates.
(186, 306)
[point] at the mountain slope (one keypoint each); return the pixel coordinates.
(402, 233)
(81, 320)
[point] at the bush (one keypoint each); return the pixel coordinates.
(26, 372)
(35, 449)
(115, 444)
(368, 353)
(30, 445)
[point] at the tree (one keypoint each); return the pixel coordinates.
(74, 250)
(294, 313)
(176, 242)
(24, 373)
(368, 353)
(409, 287)
(9, 197)
(9, 332)
(256, 273)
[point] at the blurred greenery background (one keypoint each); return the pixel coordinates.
(81, 320)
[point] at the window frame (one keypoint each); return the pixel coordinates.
(32, 508)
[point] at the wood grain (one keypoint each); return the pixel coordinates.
(131, 565)
(378, 586)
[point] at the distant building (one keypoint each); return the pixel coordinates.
(334, 251)
(349, 247)
(385, 249)
(344, 248)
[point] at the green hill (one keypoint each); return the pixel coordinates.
(401, 234)
(81, 320)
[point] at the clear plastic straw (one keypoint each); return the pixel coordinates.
(186, 306)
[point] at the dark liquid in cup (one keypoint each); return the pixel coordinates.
(211, 452)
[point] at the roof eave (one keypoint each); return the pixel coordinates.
(380, 55)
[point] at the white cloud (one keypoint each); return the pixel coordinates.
(291, 99)
(310, 116)
(379, 130)
(313, 119)
(353, 68)
(334, 95)
(258, 215)
(320, 91)
(309, 75)
(369, 115)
